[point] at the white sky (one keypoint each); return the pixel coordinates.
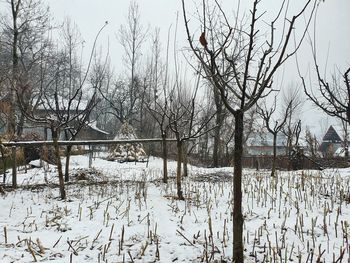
(89, 15)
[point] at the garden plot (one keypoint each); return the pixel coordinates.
(123, 213)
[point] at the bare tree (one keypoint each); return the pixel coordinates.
(311, 143)
(159, 112)
(273, 125)
(53, 109)
(58, 113)
(158, 106)
(331, 94)
(185, 122)
(241, 67)
(333, 98)
(292, 104)
(131, 36)
(24, 34)
(154, 80)
(100, 80)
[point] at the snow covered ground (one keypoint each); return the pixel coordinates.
(122, 212)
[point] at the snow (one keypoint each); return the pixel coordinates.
(298, 214)
(93, 125)
(76, 104)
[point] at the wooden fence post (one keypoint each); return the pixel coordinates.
(14, 167)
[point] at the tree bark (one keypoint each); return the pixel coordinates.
(237, 190)
(20, 125)
(273, 169)
(11, 127)
(165, 158)
(54, 132)
(185, 159)
(216, 147)
(178, 170)
(66, 172)
(217, 153)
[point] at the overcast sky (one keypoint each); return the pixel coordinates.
(333, 30)
(333, 19)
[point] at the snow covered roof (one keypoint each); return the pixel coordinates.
(63, 104)
(93, 125)
(265, 139)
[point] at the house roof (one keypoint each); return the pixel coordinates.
(262, 139)
(75, 104)
(93, 125)
(331, 135)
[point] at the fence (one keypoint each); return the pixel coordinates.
(287, 163)
(90, 143)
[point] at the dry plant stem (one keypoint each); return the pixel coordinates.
(157, 249)
(111, 233)
(5, 234)
(184, 237)
(70, 246)
(143, 249)
(57, 242)
(31, 250)
(95, 239)
(122, 239)
(130, 256)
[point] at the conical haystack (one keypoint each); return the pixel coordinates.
(127, 152)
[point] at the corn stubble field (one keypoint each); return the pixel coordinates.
(124, 213)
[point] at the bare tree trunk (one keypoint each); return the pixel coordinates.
(237, 190)
(346, 149)
(20, 125)
(3, 158)
(185, 159)
(346, 142)
(58, 161)
(178, 170)
(217, 153)
(11, 128)
(273, 169)
(165, 158)
(66, 172)
(216, 147)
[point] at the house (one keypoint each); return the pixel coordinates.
(261, 143)
(331, 142)
(89, 131)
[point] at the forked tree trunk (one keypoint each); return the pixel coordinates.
(273, 169)
(178, 170)
(58, 161)
(237, 190)
(165, 159)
